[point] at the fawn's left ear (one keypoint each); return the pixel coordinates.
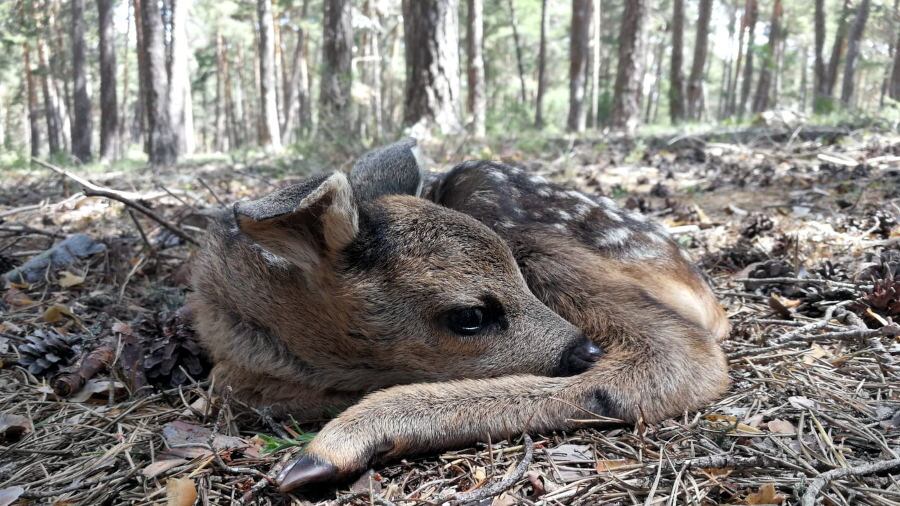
(395, 169)
(304, 222)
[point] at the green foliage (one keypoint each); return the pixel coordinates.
(272, 444)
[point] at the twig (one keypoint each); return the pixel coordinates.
(93, 190)
(213, 193)
(502, 485)
(226, 398)
(66, 384)
(799, 281)
(818, 484)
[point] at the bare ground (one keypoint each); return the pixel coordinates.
(799, 235)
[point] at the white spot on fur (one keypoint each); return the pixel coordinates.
(582, 197)
(544, 192)
(560, 226)
(507, 224)
(498, 176)
(638, 217)
(614, 216)
(563, 215)
(614, 237)
(538, 180)
(582, 210)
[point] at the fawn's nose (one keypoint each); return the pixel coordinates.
(579, 357)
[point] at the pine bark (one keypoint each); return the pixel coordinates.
(695, 81)
(180, 103)
(33, 114)
(514, 22)
(109, 106)
(269, 130)
(626, 98)
(676, 75)
(51, 113)
(296, 94)
(747, 80)
(894, 88)
(82, 124)
(475, 66)
(820, 73)
(162, 148)
(432, 64)
(579, 53)
(335, 101)
(761, 100)
(837, 49)
(736, 75)
(854, 39)
(542, 68)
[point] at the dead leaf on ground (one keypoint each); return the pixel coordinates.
(55, 313)
(180, 492)
(781, 427)
(68, 280)
(17, 298)
(606, 466)
(94, 387)
(735, 426)
(767, 494)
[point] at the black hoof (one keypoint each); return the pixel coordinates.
(305, 471)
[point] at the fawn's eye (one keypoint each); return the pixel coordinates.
(467, 321)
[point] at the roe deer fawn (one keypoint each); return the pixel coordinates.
(479, 311)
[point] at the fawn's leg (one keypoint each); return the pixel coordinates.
(629, 382)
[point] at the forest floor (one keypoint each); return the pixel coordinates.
(797, 230)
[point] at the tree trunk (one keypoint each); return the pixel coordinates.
(676, 77)
(820, 74)
(695, 81)
(33, 119)
(180, 103)
(475, 63)
(626, 98)
(109, 106)
(432, 64)
(837, 49)
(747, 82)
(61, 73)
(51, 113)
(219, 143)
(856, 33)
(653, 96)
(542, 68)
(579, 51)
(335, 101)
(727, 63)
(161, 143)
(269, 130)
(514, 22)
(731, 108)
(81, 127)
(139, 126)
(596, 30)
(763, 87)
(894, 89)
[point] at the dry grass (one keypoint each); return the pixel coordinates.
(815, 385)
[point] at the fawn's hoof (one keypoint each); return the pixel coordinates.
(306, 470)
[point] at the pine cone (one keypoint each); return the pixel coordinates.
(171, 350)
(755, 224)
(47, 351)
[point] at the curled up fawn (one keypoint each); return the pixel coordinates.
(478, 305)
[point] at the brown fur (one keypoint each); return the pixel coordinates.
(360, 311)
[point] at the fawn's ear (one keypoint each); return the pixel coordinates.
(304, 222)
(395, 169)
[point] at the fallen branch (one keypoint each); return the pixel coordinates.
(127, 198)
(818, 484)
(66, 384)
(502, 485)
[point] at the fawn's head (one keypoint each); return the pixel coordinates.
(427, 293)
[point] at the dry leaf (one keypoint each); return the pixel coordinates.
(94, 387)
(17, 298)
(68, 280)
(10, 495)
(815, 352)
(180, 492)
(605, 466)
(479, 474)
(766, 495)
(781, 427)
(800, 402)
(56, 312)
(736, 426)
(160, 466)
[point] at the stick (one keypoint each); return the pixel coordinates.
(66, 384)
(818, 484)
(93, 190)
(502, 485)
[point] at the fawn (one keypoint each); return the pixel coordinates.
(481, 304)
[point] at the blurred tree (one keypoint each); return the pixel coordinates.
(162, 149)
(627, 91)
(542, 68)
(432, 64)
(579, 51)
(820, 73)
(109, 107)
(855, 37)
(82, 124)
(676, 76)
(751, 13)
(701, 44)
(335, 101)
(764, 84)
(476, 103)
(179, 90)
(269, 133)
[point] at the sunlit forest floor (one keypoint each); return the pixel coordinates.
(797, 230)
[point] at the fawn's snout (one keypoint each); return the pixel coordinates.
(578, 357)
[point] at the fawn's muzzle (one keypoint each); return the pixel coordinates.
(579, 357)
